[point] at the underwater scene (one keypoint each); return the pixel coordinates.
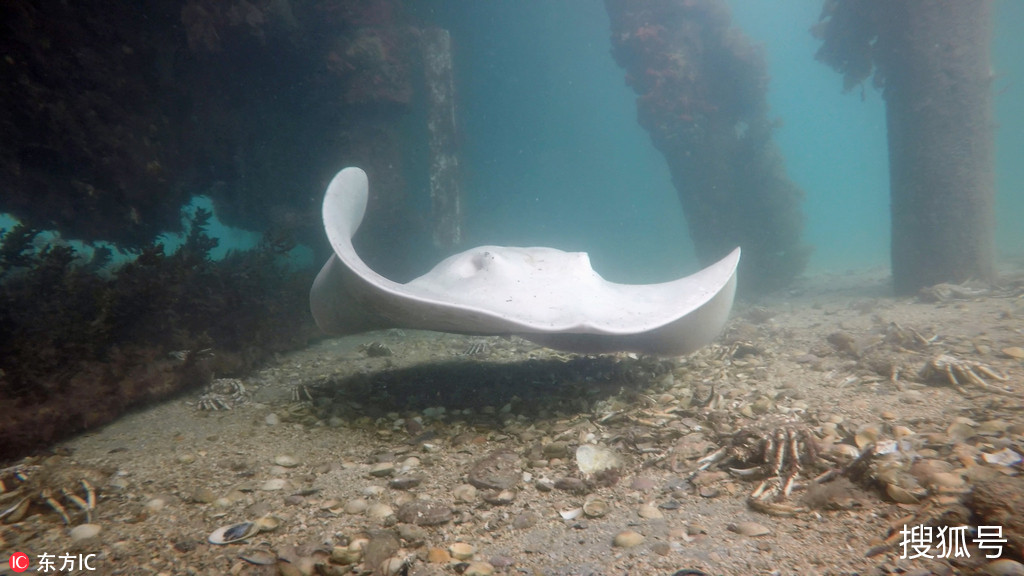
(537, 288)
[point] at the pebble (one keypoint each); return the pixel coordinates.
(272, 419)
(85, 532)
(628, 539)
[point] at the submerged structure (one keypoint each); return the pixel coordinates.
(932, 61)
(701, 94)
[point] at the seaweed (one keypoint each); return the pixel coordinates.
(78, 347)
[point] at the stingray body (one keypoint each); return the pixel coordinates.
(548, 296)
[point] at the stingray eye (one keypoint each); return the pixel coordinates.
(481, 260)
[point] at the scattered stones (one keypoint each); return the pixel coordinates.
(628, 539)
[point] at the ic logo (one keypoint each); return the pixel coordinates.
(19, 561)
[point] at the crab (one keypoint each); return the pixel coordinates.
(223, 394)
(957, 372)
(39, 484)
(777, 453)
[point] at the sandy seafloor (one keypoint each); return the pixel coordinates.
(815, 363)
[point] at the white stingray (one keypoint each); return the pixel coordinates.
(551, 297)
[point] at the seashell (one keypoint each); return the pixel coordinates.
(627, 539)
(649, 511)
(1004, 457)
(355, 506)
(595, 508)
(571, 514)
(993, 427)
(233, 533)
(901, 495)
(749, 529)
(259, 557)
(274, 484)
(847, 450)
(946, 481)
(16, 512)
(268, 523)
(591, 459)
(866, 434)
(286, 461)
(1004, 567)
(499, 497)
(901, 432)
(462, 551)
(1015, 352)
(84, 532)
(958, 431)
(379, 510)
